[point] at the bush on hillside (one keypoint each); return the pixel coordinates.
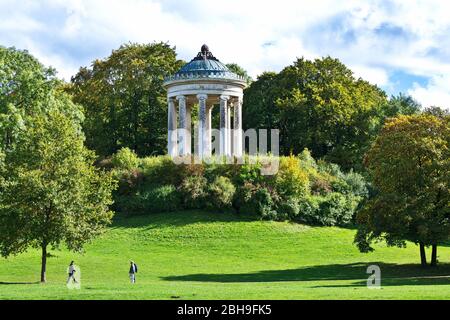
(125, 159)
(193, 191)
(150, 199)
(220, 194)
(303, 190)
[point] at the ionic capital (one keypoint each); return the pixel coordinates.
(202, 96)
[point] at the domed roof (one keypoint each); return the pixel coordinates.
(204, 65)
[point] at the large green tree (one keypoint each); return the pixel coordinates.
(26, 89)
(321, 106)
(124, 99)
(51, 193)
(410, 166)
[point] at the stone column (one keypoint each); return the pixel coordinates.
(188, 131)
(172, 128)
(182, 128)
(228, 124)
(224, 119)
(202, 138)
(237, 130)
(208, 144)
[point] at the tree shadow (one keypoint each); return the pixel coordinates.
(17, 283)
(177, 219)
(391, 274)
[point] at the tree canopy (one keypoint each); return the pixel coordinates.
(321, 106)
(410, 167)
(124, 100)
(50, 191)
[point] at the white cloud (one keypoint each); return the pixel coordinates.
(374, 38)
(377, 76)
(435, 93)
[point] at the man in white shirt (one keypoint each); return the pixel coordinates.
(72, 273)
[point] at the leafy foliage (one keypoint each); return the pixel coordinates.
(52, 193)
(410, 167)
(125, 159)
(125, 102)
(289, 195)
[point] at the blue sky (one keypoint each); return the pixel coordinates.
(402, 46)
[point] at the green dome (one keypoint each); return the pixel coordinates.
(204, 65)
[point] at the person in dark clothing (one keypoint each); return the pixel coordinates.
(132, 272)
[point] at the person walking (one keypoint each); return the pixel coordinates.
(72, 273)
(133, 271)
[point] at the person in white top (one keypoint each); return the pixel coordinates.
(72, 273)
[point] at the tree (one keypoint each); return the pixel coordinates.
(234, 67)
(437, 112)
(317, 105)
(401, 104)
(51, 192)
(410, 166)
(124, 99)
(26, 89)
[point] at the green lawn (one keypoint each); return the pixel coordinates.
(194, 255)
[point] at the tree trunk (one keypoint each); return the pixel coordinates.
(44, 263)
(423, 256)
(434, 256)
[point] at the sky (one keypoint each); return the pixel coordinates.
(401, 46)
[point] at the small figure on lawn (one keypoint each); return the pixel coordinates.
(133, 271)
(71, 271)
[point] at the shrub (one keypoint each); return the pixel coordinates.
(129, 181)
(221, 193)
(161, 170)
(330, 210)
(288, 209)
(193, 191)
(149, 199)
(242, 198)
(309, 210)
(291, 180)
(160, 199)
(125, 159)
(263, 204)
(320, 186)
(250, 173)
(357, 185)
(303, 190)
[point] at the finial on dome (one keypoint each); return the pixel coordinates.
(204, 49)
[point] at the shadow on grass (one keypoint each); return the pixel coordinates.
(17, 283)
(391, 274)
(178, 219)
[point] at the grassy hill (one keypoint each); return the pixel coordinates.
(195, 255)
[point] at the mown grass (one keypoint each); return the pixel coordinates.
(197, 255)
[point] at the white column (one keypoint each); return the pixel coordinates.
(224, 119)
(188, 131)
(182, 128)
(202, 138)
(172, 128)
(208, 147)
(229, 107)
(237, 130)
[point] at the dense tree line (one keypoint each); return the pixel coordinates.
(124, 100)
(321, 106)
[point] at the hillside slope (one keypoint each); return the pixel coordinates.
(195, 255)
